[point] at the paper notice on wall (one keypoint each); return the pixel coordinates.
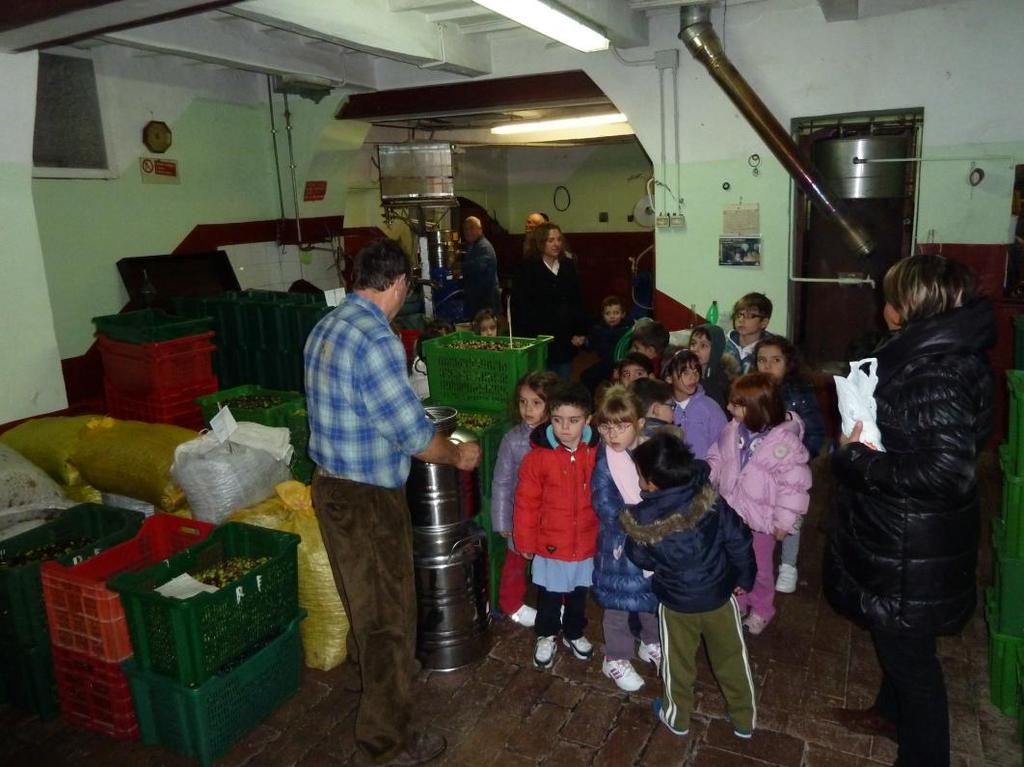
(742, 220)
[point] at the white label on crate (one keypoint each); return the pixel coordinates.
(223, 425)
(239, 593)
(259, 583)
(334, 296)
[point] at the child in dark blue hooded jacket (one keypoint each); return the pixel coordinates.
(700, 553)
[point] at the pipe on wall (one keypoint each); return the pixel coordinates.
(700, 39)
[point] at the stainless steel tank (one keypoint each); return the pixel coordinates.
(450, 562)
(862, 181)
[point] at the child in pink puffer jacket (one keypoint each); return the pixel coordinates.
(759, 466)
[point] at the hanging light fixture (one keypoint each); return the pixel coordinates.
(564, 123)
(551, 21)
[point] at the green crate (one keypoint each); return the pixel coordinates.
(489, 438)
(1020, 694)
(1007, 586)
(497, 547)
(22, 612)
(27, 681)
(149, 325)
(1012, 514)
(1015, 428)
(190, 639)
(1003, 666)
(204, 722)
(479, 380)
(1018, 341)
(277, 415)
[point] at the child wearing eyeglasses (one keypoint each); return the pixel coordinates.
(750, 317)
(620, 586)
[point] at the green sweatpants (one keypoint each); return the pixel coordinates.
(722, 631)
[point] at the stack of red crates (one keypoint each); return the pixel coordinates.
(154, 367)
(88, 631)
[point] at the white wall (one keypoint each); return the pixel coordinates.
(30, 373)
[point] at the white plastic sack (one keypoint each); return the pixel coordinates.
(221, 478)
(275, 440)
(20, 519)
(856, 395)
(22, 482)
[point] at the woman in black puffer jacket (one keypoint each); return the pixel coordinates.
(902, 559)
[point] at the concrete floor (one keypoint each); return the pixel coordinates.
(502, 712)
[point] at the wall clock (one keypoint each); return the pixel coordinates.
(156, 135)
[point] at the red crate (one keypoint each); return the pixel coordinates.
(165, 367)
(409, 339)
(83, 614)
(94, 694)
(180, 409)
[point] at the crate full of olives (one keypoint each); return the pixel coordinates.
(73, 537)
(192, 614)
(478, 373)
(269, 407)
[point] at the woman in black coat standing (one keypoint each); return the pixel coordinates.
(547, 298)
(902, 559)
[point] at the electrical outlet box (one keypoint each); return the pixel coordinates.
(667, 59)
(677, 220)
(662, 221)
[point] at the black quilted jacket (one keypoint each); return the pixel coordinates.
(902, 558)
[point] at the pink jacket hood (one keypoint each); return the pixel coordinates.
(771, 491)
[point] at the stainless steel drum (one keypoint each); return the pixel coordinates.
(450, 562)
(869, 180)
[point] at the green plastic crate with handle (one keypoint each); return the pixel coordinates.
(1003, 665)
(1012, 507)
(270, 407)
(1015, 428)
(27, 681)
(204, 722)
(1007, 592)
(76, 535)
(149, 325)
(189, 640)
(479, 373)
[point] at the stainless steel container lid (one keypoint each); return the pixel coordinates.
(446, 421)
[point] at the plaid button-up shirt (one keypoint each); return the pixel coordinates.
(365, 421)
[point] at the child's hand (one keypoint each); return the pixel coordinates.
(779, 533)
(855, 437)
(527, 554)
(505, 533)
(579, 340)
(738, 591)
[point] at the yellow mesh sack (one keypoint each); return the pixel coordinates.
(49, 443)
(82, 493)
(132, 458)
(326, 627)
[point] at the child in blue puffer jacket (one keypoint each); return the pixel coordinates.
(619, 585)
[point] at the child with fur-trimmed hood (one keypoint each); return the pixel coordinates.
(700, 553)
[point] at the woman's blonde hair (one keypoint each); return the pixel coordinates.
(921, 286)
(617, 405)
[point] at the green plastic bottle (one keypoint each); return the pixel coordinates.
(712, 313)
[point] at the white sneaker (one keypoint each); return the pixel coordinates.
(581, 648)
(786, 582)
(524, 616)
(755, 623)
(651, 653)
(623, 674)
(544, 655)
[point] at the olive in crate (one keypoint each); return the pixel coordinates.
(254, 402)
(228, 571)
(49, 551)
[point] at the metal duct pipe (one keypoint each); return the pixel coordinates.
(699, 37)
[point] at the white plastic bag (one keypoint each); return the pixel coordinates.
(856, 395)
(22, 482)
(221, 478)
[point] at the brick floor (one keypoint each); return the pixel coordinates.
(502, 712)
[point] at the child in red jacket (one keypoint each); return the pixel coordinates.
(554, 523)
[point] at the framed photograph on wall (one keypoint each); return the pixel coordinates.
(739, 251)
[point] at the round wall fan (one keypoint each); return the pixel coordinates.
(643, 213)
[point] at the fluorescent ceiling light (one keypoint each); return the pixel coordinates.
(553, 23)
(562, 124)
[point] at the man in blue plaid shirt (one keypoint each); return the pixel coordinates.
(365, 424)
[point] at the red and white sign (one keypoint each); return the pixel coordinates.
(158, 171)
(315, 191)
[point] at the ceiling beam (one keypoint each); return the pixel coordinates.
(840, 10)
(247, 46)
(371, 27)
(28, 24)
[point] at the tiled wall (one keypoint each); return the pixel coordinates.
(269, 266)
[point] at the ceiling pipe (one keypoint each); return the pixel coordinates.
(699, 37)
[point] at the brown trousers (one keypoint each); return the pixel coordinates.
(368, 534)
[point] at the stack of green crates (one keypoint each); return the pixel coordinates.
(283, 408)
(209, 667)
(1004, 602)
(26, 664)
(482, 382)
(260, 334)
